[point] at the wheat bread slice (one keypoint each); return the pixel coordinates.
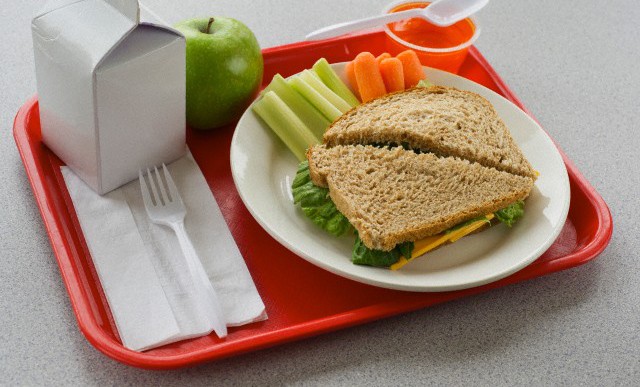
(393, 195)
(442, 120)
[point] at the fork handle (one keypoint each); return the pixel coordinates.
(200, 276)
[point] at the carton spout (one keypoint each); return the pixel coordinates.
(129, 8)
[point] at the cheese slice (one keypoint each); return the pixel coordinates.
(427, 244)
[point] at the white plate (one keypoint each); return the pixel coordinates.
(263, 169)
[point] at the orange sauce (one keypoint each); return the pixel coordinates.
(421, 33)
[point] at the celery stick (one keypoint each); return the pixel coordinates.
(283, 121)
(312, 79)
(300, 106)
(316, 99)
(325, 72)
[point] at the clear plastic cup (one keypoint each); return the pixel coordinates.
(443, 48)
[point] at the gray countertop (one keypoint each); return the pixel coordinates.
(572, 64)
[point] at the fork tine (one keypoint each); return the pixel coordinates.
(154, 190)
(146, 197)
(175, 195)
(163, 192)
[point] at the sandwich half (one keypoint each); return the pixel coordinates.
(441, 120)
(393, 196)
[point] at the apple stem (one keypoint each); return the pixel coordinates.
(209, 25)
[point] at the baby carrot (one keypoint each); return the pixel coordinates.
(412, 68)
(351, 76)
(382, 57)
(392, 74)
(370, 83)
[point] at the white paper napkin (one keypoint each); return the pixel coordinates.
(141, 267)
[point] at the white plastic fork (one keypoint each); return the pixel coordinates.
(167, 208)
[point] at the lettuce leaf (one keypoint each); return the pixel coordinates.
(316, 203)
(424, 83)
(509, 215)
(362, 255)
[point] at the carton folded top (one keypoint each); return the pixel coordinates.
(90, 38)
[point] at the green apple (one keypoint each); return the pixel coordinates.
(224, 70)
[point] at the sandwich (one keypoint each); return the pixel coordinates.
(412, 171)
(441, 120)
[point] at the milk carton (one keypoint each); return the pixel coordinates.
(111, 89)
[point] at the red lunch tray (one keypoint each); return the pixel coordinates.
(302, 300)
